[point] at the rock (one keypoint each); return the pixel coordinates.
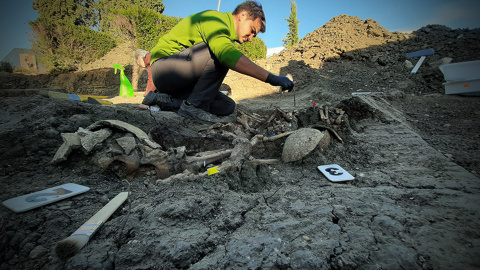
(443, 61)
(38, 252)
(408, 64)
(306, 238)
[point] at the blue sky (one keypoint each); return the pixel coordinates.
(400, 15)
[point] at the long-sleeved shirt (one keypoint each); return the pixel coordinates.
(214, 28)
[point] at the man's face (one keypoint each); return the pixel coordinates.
(247, 29)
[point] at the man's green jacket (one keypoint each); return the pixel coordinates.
(214, 28)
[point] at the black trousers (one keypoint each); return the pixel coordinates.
(195, 75)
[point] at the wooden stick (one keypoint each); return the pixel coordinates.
(71, 245)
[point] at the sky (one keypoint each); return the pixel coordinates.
(400, 15)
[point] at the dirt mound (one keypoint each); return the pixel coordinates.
(340, 35)
(349, 54)
(351, 38)
(121, 55)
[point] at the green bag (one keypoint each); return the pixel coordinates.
(126, 89)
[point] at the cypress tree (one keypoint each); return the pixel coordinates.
(292, 36)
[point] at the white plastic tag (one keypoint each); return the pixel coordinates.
(335, 173)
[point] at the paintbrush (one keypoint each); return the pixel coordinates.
(71, 245)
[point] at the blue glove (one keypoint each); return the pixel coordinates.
(284, 82)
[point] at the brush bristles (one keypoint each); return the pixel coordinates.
(70, 246)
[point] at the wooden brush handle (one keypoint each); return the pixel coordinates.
(91, 226)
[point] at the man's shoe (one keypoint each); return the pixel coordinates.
(149, 99)
(192, 112)
(164, 101)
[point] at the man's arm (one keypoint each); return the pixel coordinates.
(247, 67)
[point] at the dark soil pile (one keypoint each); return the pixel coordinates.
(414, 152)
(352, 41)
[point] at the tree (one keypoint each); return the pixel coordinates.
(6, 67)
(62, 46)
(107, 9)
(62, 35)
(255, 49)
(66, 33)
(76, 12)
(141, 25)
(292, 36)
(156, 5)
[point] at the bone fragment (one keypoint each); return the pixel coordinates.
(243, 119)
(276, 137)
(195, 163)
(322, 115)
(339, 119)
(257, 162)
(326, 115)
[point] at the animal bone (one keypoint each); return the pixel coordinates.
(338, 121)
(195, 163)
(260, 138)
(326, 115)
(243, 119)
(257, 162)
(322, 115)
(321, 127)
(253, 117)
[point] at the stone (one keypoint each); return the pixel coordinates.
(408, 64)
(38, 252)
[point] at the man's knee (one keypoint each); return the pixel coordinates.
(224, 107)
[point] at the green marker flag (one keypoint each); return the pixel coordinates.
(126, 89)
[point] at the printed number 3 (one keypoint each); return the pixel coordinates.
(333, 171)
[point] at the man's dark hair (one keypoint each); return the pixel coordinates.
(254, 11)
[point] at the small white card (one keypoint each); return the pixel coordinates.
(335, 173)
(43, 197)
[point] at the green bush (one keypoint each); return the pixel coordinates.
(6, 67)
(145, 26)
(61, 46)
(255, 49)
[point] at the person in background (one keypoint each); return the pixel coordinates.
(141, 63)
(189, 64)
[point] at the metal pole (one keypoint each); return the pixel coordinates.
(218, 8)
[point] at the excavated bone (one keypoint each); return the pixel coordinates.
(92, 138)
(71, 141)
(127, 143)
(301, 143)
(142, 136)
(157, 158)
(132, 163)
